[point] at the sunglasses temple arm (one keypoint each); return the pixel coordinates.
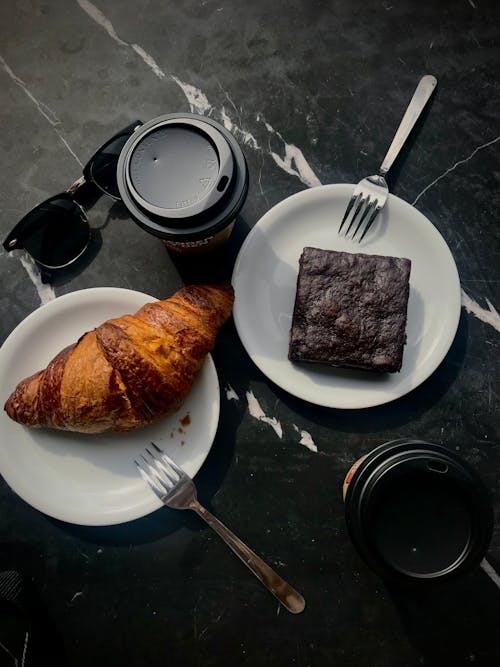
(73, 189)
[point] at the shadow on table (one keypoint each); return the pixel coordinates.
(455, 623)
(64, 275)
(215, 266)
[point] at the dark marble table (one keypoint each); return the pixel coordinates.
(313, 91)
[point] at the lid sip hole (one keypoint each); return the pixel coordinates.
(222, 183)
(437, 466)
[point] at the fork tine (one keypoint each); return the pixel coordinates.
(171, 475)
(360, 205)
(370, 222)
(368, 211)
(163, 480)
(166, 458)
(351, 203)
(147, 478)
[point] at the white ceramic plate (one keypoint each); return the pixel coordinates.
(265, 276)
(92, 479)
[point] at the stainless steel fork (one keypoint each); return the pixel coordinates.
(371, 193)
(176, 489)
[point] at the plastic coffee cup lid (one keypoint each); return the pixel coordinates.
(182, 175)
(418, 512)
(178, 169)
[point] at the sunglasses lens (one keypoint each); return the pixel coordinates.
(103, 167)
(56, 233)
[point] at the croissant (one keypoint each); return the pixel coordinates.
(129, 371)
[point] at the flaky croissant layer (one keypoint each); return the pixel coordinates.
(129, 371)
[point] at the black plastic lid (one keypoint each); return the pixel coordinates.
(182, 177)
(417, 512)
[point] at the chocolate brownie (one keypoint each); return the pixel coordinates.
(350, 310)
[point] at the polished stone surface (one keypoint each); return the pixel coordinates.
(313, 91)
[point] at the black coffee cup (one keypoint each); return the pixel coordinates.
(183, 178)
(417, 512)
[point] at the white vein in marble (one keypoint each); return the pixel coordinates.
(15, 661)
(488, 315)
(302, 170)
(231, 395)
(149, 60)
(226, 120)
(293, 161)
(25, 648)
(45, 292)
(197, 99)
(99, 18)
(244, 136)
(256, 411)
(492, 574)
(306, 439)
(453, 167)
(43, 109)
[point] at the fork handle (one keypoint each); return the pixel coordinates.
(287, 595)
(418, 101)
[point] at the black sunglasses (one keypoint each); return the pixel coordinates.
(56, 232)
